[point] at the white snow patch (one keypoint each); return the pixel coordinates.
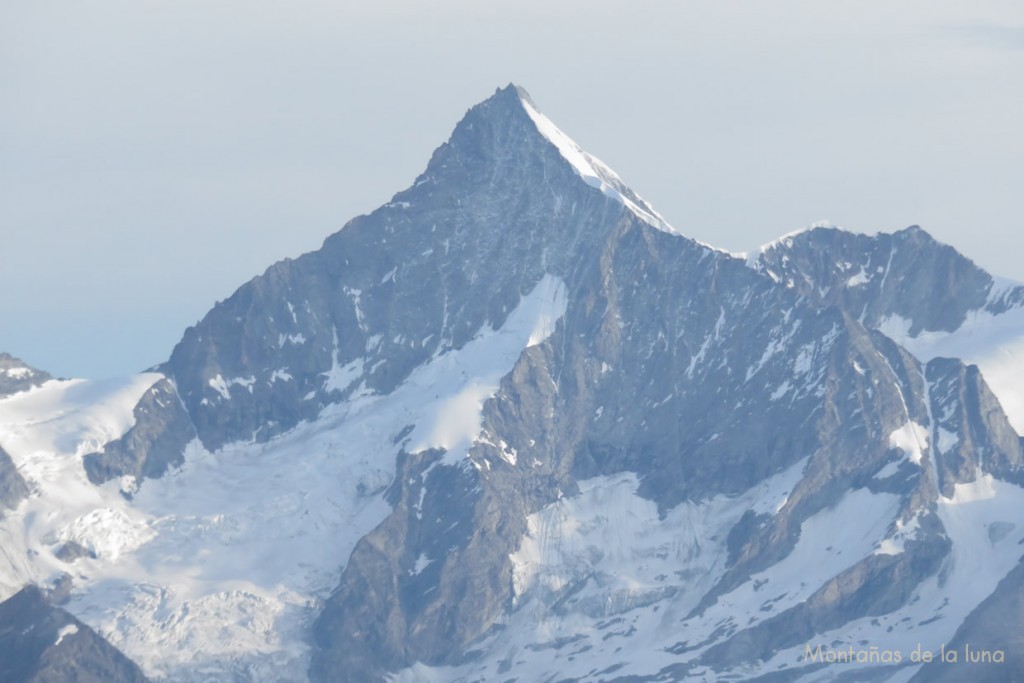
(340, 378)
(220, 386)
(356, 295)
(804, 358)
(896, 327)
(859, 279)
(293, 339)
(508, 453)
(903, 532)
(109, 533)
(421, 563)
(282, 375)
(912, 439)
(946, 440)
(781, 391)
(76, 416)
(418, 507)
(129, 484)
(457, 421)
(466, 379)
(64, 632)
(610, 533)
(223, 386)
(549, 308)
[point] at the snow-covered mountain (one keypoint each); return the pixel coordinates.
(513, 426)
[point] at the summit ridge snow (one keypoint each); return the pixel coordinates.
(594, 171)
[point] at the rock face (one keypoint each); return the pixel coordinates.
(874, 277)
(40, 643)
(155, 442)
(492, 213)
(970, 431)
(12, 486)
(16, 376)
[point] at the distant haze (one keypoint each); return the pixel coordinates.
(154, 156)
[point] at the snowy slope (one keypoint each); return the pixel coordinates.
(215, 570)
(620, 574)
(594, 171)
(983, 522)
(46, 430)
(629, 582)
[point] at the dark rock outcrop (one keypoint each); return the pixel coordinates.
(970, 432)
(13, 488)
(40, 643)
(907, 274)
(155, 442)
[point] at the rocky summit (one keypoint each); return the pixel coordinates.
(16, 376)
(513, 426)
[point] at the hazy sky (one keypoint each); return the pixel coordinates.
(156, 155)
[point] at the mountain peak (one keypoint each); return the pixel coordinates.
(501, 116)
(916, 232)
(513, 91)
(16, 375)
(905, 275)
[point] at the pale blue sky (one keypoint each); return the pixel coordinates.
(155, 155)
